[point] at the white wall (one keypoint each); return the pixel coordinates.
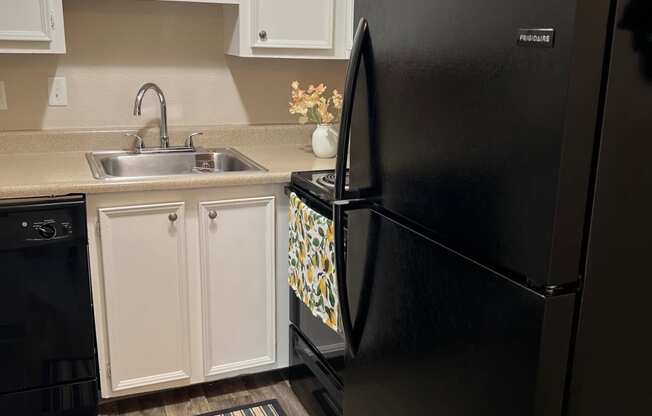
(114, 46)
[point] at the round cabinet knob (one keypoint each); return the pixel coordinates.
(173, 217)
(47, 231)
(262, 35)
(212, 214)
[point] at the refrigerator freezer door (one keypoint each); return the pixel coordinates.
(482, 139)
(439, 334)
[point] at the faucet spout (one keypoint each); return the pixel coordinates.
(165, 139)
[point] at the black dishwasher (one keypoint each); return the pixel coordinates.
(47, 347)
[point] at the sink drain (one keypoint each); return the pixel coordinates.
(205, 170)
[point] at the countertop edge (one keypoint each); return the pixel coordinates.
(159, 184)
(280, 160)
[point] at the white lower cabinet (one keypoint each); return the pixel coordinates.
(186, 286)
(237, 243)
(145, 291)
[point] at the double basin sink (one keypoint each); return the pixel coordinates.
(130, 165)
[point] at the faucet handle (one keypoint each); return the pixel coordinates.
(190, 142)
(140, 144)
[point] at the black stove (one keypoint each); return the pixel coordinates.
(316, 351)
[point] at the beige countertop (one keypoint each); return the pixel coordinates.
(59, 173)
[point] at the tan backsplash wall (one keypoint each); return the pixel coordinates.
(114, 46)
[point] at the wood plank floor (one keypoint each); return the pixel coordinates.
(219, 395)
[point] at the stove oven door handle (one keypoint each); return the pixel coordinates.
(357, 51)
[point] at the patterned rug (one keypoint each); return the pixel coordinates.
(266, 408)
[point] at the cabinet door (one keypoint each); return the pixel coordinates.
(145, 289)
(351, 25)
(238, 284)
(303, 24)
(31, 26)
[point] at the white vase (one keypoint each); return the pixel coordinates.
(324, 141)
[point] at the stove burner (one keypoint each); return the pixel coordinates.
(327, 180)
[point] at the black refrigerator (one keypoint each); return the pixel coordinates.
(491, 246)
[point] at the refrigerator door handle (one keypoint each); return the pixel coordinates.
(352, 71)
(342, 204)
(339, 208)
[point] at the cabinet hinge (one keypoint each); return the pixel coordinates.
(99, 230)
(108, 370)
(52, 21)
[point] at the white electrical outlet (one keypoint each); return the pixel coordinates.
(57, 92)
(3, 96)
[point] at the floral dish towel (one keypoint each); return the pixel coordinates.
(312, 261)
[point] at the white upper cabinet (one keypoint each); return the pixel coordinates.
(309, 29)
(300, 24)
(32, 26)
(351, 25)
(300, 29)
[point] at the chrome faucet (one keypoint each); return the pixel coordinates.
(165, 139)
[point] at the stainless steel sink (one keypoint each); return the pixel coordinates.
(130, 165)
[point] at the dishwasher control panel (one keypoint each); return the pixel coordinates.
(52, 225)
(35, 225)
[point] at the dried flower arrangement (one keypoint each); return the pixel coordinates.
(312, 106)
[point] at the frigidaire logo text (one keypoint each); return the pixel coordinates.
(534, 38)
(543, 38)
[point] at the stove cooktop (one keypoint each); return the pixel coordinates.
(320, 183)
(328, 180)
